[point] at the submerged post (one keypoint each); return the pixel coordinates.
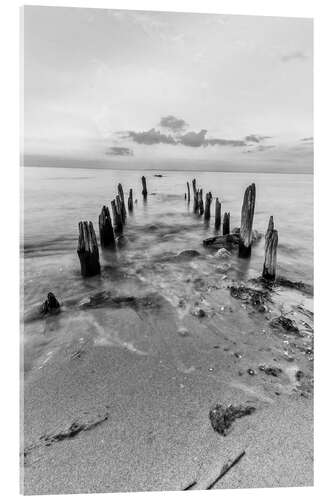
(87, 250)
(226, 223)
(188, 193)
(117, 221)
(271, 242)
(144, 187)
(122, 199)
(217, 214)
(245, 237)
(209, 198)
(106, 234)
(130, 201)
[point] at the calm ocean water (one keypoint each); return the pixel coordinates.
(56, 199)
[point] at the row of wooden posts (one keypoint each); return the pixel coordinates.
(245, 234)
(111, 233)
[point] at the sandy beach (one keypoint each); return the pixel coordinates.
(141, 398)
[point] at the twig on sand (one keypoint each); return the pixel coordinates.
(226, 468)
(223, 472)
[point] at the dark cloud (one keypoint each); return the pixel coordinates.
(193, 139)
(256, 138)
(297, 55)
(172, 123)
(119, 151)
(225, 142)
(150, 137)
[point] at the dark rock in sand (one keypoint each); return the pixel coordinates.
(228, 241)
(270, 370)
(222, 417)
(51, 305)
(285, 323)
(158, 175)
(198, 312)
(251, 372)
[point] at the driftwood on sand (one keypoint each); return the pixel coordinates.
(217, 214)
(245, 240)
(87, 250)
(271, 242)
(106, 234)
(209, 198)
(144, 187)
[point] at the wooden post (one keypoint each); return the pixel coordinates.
(200, 203)
(209, 198)
(87, 250)
(226, 223)
(130, 201)
(144, 187)
(245, 237)
(188, 193)
(106, 235)
(194, 187)
(271, 242)
(217, 214)
(117, 221)
(122, 199)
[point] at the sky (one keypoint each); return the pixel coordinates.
(134, 87)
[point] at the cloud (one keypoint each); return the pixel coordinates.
(193, 139)
(256, 138)
(119, 151)
(150, 137)
(172, 123)
(225, 142)
(297, 55)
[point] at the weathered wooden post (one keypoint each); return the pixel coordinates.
(245, 236)
(122, 199)
(117, 221)
(271, 242)
(119, 208)
(188, 193)
(130, 201)
(194, 186)
(217, 214)
(106, 234)
(226, 223)
(144, 187)
(200, 202)
(87, 250)
(209, 198)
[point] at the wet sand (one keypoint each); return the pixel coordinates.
(123, 404)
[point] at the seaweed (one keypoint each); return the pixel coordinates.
(222, 417)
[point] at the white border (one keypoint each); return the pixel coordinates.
(321, 10)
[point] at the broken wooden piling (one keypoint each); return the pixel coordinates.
(245, 240)
(130, 201)
(87, 250)
(217, 214)
(200, 202)
(188, 193)
(209, 198)
(122, 199)
(271, 242)
(144, 187)
(117, 220)
(226, 223)
(106, 234)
